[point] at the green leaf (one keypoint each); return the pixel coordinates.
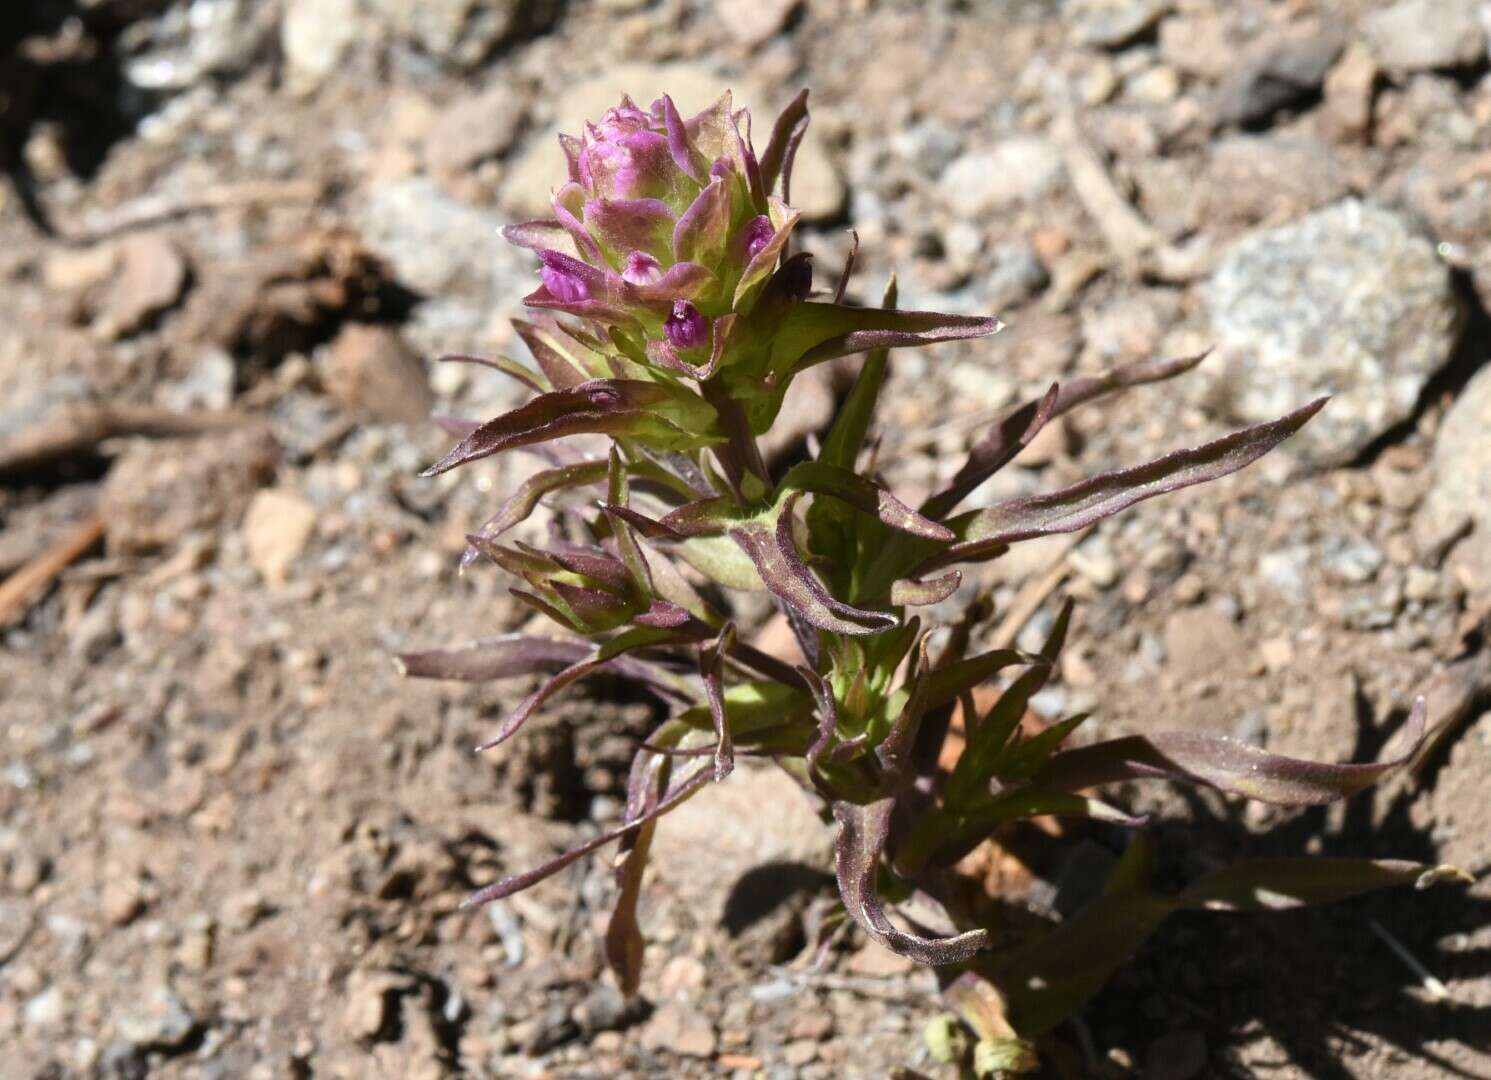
(845, 439)
(1283, 883)
(722, 561)
(986, 740)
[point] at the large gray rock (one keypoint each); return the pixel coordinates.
(1461, 485)
(1350, 301)
(435, 243)
(463, 33)
(1422, 35)
(315, 35)
(1020, 169)
(817, 188)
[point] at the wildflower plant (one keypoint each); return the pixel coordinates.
(672, 317)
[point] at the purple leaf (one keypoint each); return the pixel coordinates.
(553, 354)
(681, 281)
(822, 478)
(568, 204)
(996, 450)
(1222, 763)
(909, 593)
(610, 654)
(518, 882)
(774, 554)
(786, 134)
(848, 271)
(522, 502)
(814, 332)
(678, 140)
(531, 379)
(711, 661)
(763, 261)
(544, 234)
(1088, 501)
(863, 832)
(1014, 432)
(502, 657)
(616, 407)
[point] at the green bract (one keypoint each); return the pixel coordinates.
(672, 318)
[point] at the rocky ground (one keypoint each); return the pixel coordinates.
(233, 841)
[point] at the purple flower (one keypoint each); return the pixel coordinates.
(641, 269)
(686, 328)
(623, 158)
(564, 278)
(758, 233)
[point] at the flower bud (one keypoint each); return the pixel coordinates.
(686, 328)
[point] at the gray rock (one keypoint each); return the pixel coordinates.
(192, 41)
(45, 1010)
(1112, 23)
(463, 33)
(1461, 481)
(1279, 70)
(1254, 178)
(474, 129)
(1422, 35)
(152, 276)
(1018, 274)
(929, 146)
(754, 22)
(315, 35)
(1353, 562)
(1350, 301)
(160, 1020)
(435, 242)
(1020, 169)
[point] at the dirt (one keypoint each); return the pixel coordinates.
(233, 841)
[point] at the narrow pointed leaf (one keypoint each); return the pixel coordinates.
(842, 445)
(675, 796)
(1283, 883)
(865, 495)
(910, 593)
(505, 657)
(534, 380)
(1225, 764)
(617, 407)
(863, 831)
(521, 503)
(815, 332)
(711, 659)
(786, 134)
(773, 552)
(544, 234)
(1091, 500)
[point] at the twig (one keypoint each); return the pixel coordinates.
(155, 209)
(79, 429)
(1436, 990)
(1034, 593)
(1141, 249)
(31, 580)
